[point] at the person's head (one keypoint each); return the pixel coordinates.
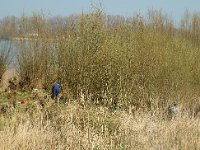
(54, 81)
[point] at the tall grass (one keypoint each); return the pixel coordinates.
(91, 127)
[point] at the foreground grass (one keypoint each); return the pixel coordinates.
(76, 126)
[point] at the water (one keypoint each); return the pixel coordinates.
(9, 48)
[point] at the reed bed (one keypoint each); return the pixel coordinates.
(75, 127)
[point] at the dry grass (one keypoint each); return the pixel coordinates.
(93, 127)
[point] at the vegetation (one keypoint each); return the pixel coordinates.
(107, 65)
(125, 60)
(89, 126)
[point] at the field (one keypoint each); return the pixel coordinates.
(76, 125)
(107, 66)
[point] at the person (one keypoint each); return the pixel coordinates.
(55, 90)
(173, 110)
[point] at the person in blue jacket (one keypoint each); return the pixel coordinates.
(55, 90)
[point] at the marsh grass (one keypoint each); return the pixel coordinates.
(93, 127)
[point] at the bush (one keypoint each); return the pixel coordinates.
(124, 60)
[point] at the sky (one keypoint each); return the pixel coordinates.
(174, 8)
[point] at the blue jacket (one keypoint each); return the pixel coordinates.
(56, 86)
(55, 89)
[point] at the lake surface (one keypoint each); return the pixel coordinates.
(5, 46)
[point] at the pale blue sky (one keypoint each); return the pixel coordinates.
(174, 8)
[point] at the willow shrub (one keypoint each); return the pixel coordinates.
(125, 63)
(37, 64)
(120, 60)
(36, 52)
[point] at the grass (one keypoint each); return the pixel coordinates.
(78, 125)
(4, 98)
